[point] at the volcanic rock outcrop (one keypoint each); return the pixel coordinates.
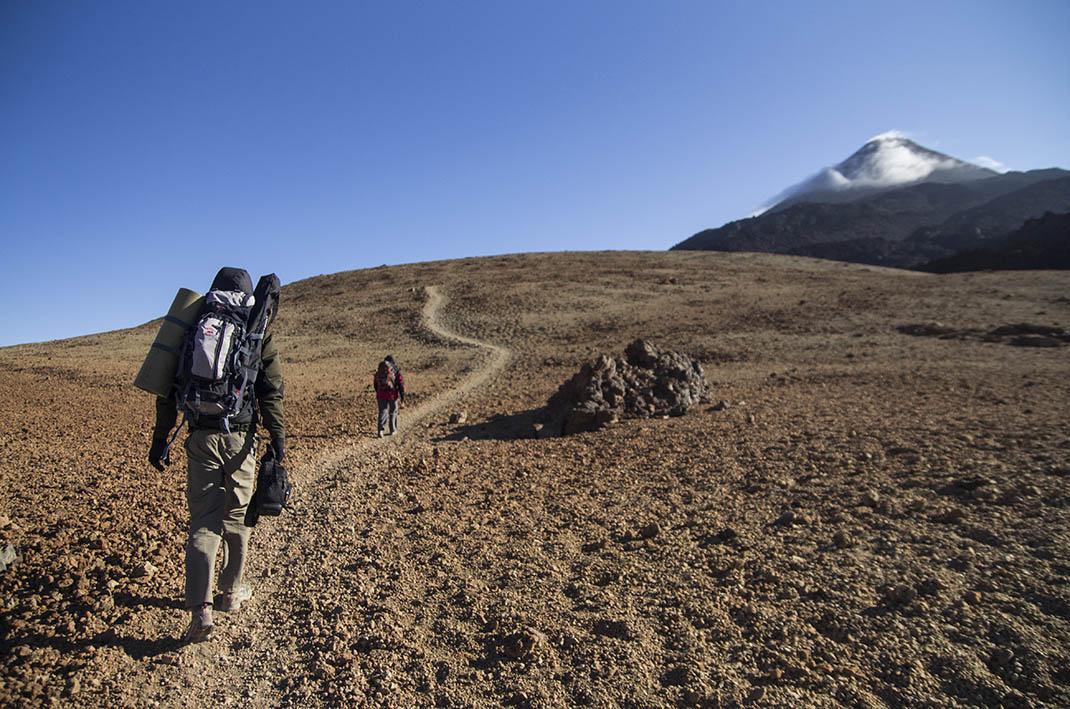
(646, 382)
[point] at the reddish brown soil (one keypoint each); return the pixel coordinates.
(875, 518)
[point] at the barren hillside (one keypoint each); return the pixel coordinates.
(872, 510)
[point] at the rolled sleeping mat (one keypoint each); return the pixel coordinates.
(158, 370)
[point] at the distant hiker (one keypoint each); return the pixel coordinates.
(228, 376)
(389, 393)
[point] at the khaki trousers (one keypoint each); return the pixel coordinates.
(222, 473)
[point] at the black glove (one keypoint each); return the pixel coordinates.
(278, 448)
(159, 455)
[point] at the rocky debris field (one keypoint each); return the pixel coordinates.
(645, 382)
(857, 515)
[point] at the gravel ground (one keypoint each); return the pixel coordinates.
(872, 509)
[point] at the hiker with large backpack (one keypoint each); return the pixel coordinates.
(228, 377)
(389, 394)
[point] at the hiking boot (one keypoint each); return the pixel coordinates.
(231, 602)
(200, 625)
(380, 433)
(394, 432)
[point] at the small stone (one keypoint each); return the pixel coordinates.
(793, 517)
(1002, 656)
(842, 539)
(145, 570)
(902, 594)
(649, 531)
(787, 519)
(459, 417)
(8, 557)
(521, 644)
(950, 515)
(972, 597)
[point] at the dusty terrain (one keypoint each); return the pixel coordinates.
(877, 515)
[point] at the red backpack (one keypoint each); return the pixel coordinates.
(384, 377)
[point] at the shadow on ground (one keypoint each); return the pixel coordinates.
(503, 427)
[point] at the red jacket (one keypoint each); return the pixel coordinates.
(390, 394)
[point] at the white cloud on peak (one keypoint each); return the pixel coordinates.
(990, 163)
(894, 162)
(894, 159)
(891, 134)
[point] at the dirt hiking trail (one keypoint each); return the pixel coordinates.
(254, 650)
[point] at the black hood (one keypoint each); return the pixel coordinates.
(233, 279)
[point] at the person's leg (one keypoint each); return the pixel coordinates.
(384, 415)
(394, 416)
(238, 481)
(206, 499)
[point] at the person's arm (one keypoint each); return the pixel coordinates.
(269, 394)
(401, 387)
(166, 415)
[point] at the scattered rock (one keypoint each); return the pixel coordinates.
(901, 594)
(843, 539)
(649, 531)
(8, 557)
(458, 417)
(950, 515)
(144, 570)
(1002, 656)
(522, 643)
(793, 517)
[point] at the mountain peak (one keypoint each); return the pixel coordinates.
(892, 160)
(886, 161)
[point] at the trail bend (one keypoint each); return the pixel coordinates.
(252, 655)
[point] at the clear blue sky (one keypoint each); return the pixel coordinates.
(145, 144)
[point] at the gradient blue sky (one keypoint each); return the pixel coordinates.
(145, 144)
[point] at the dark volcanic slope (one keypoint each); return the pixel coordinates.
(876, 516)
(997, 218)
(1042, 243)
(900, 227)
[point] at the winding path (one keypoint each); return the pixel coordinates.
(258, 648)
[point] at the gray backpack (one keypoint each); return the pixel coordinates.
(221, 358)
